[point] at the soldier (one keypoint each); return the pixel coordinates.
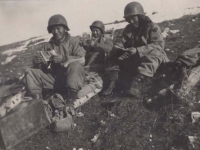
(99, 46)
(179, 78)
(140, 50)
(71, 78)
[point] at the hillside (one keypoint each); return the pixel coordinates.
(125, 126)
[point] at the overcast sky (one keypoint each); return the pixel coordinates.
(20, 20)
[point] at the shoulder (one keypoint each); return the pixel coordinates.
(47, 46)
(74, 40)
(127, 29)
(107, 40)
(155, 27)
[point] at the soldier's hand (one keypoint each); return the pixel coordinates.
(131, 50)
(125, 56)
(57, 59)
(119, 45)
(90, 43)
(128, 53)
(87, 42)
(84, 43)
(38, 59)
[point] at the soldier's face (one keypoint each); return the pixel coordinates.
(96, 32)
(58, 32)
(133, 20)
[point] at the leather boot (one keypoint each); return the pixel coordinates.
(113, 76)
(37, 96)
(71, 95)
(134, 89)
(109, 89)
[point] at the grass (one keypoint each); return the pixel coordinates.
(132, 126)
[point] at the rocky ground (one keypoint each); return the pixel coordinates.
(128, 124)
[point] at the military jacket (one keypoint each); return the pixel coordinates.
(69, 48)
(98, 52)
(148, 40)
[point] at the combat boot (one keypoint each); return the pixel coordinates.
(134, 90)
(113, 76)
(71, 95)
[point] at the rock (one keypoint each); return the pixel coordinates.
(192, 140)
(165, 32)
(102, 122)
(195, 117)
(95, 138)
(79, 114)
(171, 24)
(19, 73)
(174, 31)
(167, 29)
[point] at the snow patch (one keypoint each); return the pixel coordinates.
(159, 17)
(116, 26)
(8, 59)
(162, 16)
(41, 39)
(25, 44)
(24, 47)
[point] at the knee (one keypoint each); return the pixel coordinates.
(30, 72)
(75, 66)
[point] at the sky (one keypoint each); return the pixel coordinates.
(23, 19)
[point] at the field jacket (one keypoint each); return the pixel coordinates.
(69, 48)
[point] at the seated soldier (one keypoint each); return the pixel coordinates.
(99, 46)
(179, 76)
(190, 61)
(59, 77)
(139, 52)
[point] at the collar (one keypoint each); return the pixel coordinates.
(64, 40)
(100, 39)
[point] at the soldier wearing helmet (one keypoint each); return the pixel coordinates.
(61, 76)
(99, 46)
(140, 50)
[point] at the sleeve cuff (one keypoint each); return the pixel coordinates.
(139, 52)
(64, 59)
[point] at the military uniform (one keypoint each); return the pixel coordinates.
(149, 44)
(58, 76)
(98, 48)
(97, 53)
(138, 52)
(181, 76)
(190, 57)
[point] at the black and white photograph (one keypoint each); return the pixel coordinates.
(100, 75)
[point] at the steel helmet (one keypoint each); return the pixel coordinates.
(98, 24)
(57, 20)
(133, 8)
